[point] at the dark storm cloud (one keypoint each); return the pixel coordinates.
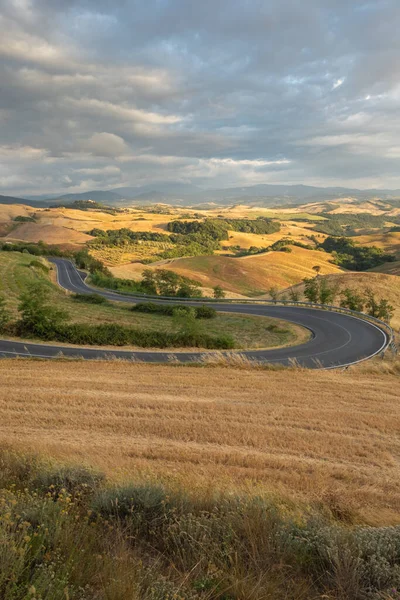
(222, 92)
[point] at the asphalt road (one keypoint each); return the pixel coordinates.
(337, 339)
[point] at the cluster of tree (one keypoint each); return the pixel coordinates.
(159, 282)
(118, 284)
(345, 224)
(84, 260)
(189, 238)
(124, 236)
(39, 249)
(40, 318)
(368, 303)
(260, 226)
(350, 255)
(163, 282)
(218, 228)
(319, 290)
(193, 244)
(189, 216)
(154, 209)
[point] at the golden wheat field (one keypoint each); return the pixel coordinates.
(332, 436)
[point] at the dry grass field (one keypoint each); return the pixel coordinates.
(329, 436)
(388, 268)
(388, 241)
(349, 206)
(48, 233)
(10, 211)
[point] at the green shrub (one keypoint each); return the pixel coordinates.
(205, 312)
(74, 480)
(39, 265)
(21, 471)
(218, 292)
(38, 317)
(90, 298)
(5, 315)
(201, 312)
(23, 219)
(135, 503)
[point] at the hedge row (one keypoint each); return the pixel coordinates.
(201, 312)
(90, 298)
(118, 335)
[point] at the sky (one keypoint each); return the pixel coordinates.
(97, 94)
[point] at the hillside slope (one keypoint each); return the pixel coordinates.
(48, 233)
(390, 242)
(250, 275)
(382, 284)
(388, 268)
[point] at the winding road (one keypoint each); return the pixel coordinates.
(337, 339)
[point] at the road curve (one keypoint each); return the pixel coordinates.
(337, 339)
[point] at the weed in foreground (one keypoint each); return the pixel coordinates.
(87, 541)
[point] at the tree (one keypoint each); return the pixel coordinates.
(294, 295)
(273, 294)
(372, 305)
(148, 282)
(186, 290)
(5, 316)
(37, 316)
(385, 310)
(352, 300)
(311, 289)
(218, 292)
(326, 294)
(379, 309)
(317, 269)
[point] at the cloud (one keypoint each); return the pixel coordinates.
(107, 170)
(337, 83)
(218, 93)
(106, 144)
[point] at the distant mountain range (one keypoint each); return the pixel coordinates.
(178, 194)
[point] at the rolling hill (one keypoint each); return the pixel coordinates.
(262, 195)
(48, 233)
(250, 275)
(390, 241)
